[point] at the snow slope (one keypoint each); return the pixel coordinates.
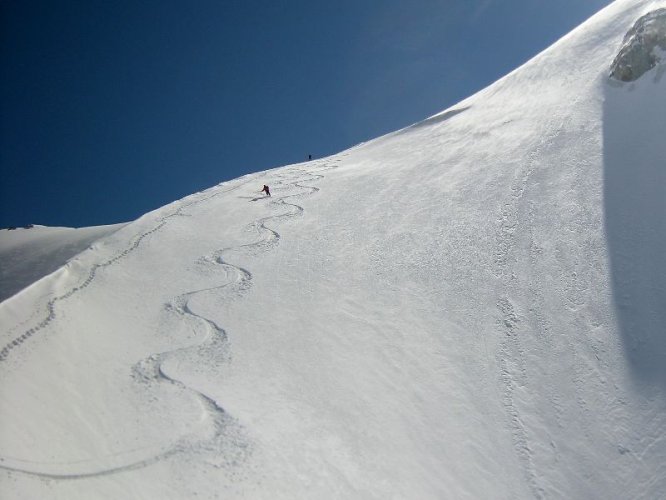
(28, 254)
(472, 307)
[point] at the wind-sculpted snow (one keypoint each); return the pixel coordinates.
(643, 47)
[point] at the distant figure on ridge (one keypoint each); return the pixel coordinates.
(309, 157)
(266, 190)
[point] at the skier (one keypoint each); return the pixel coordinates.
(266, 190)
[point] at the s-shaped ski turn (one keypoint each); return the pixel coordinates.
(217, 432)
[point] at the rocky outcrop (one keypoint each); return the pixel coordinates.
(643, 48)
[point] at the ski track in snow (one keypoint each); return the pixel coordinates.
(51, 304)
(150, 370)
(511, 354)
(16, 465)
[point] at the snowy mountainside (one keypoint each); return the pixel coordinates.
(471, 307)
(28, 254)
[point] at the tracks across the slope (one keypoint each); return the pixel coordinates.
(48, 470)
(51, 305)
(511, 356)
(223, 435)
(514, 221)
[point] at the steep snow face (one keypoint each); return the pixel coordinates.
(466, 308)
(642, 48)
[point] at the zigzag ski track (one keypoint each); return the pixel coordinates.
(226, 435)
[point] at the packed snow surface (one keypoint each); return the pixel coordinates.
(471, 307)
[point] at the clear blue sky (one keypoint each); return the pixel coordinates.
(110, 109)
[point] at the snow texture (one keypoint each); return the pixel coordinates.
(28, 254)
(471, 307)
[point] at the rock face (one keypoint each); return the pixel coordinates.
(642, 47)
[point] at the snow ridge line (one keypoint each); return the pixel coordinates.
(50, 306)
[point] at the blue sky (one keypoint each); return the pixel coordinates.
(111, 109)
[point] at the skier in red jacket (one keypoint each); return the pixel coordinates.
(266, 190)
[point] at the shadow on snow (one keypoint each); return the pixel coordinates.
(635, 221)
